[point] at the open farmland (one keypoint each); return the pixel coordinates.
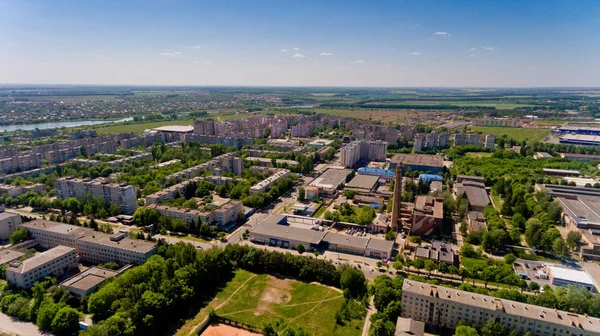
(519, 134)
(139, 128)
(376, 114)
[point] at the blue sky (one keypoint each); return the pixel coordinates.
(301, 42)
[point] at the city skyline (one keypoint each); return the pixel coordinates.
(273, 43)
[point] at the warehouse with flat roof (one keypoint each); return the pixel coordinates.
(363, 183)
(418, 162)
(330, 180)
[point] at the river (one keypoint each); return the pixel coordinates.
(31, 127)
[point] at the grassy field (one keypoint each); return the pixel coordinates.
(139, 128)
(266, 298)
(519, 134)
(253, 299)
(498, 105)
(478, 155)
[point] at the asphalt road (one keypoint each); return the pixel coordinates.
(12, 326)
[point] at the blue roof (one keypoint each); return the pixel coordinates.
(376, 170)
(430, 177)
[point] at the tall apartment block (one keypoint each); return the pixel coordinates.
(496, 122)
(430, 140)
(55, 261)
(205, 127)
(358, 150)
(445, 307)
(490, 141)
(92, 246)
(122, 194)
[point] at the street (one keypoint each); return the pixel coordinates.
(13, 326)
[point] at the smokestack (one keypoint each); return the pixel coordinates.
(397, 196)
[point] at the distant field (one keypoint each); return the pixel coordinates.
(498, 105)
(478, 155)
(139, 128)
(519, 134)
(549, 122)
(74, 99)
(254, 299)
(375, 114)
(323, 94)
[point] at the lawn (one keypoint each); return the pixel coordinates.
(497, 200)
(254, 299)
(320, 211)
(519, 134)
(139, 128)
(478, 155)
(266, 298)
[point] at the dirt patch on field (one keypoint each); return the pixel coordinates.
(277, 292)
(392, 116)
(218, 329)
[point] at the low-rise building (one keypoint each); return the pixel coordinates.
(87, 282)
(7, 256)
(562, 276)
(363, 184)
(9, 223)
(409, 327)
(267, 183)
(476, 221)
(475, 192)
(386, 174)
(24, 274)
(561, 172)
(329, 182)
(542, 155)
(418, 162)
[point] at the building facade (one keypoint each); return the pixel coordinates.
(9, 223)
(55, 261)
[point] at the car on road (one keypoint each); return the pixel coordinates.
(358, 266)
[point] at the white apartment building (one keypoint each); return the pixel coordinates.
(9, 223)
(92, 246)
(55, 261)
(122, 194)
(445, 307)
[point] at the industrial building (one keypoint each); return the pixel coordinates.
(363, 184)
(561, 172)
(542, 155)
(274, 231)
(329, 182)
(580, 157)
(562, 276)
(475, 192)
(580, 212)
(444, 307)
(428, 214)
(580, 139)
(579, 130)
(386, 174)
(55, 261)
(418, 162)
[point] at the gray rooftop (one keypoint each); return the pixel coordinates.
(40, 259)
(7, 256)
(331, 178)
(346, 240)
(363, 182)
(270, 227)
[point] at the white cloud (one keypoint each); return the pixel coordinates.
(488, 48)
(359, 62)
(205, 62)
(472, 49)
(415, 53)
(104, 57)
(472, 55)
(298, 56)
(169, 53)
(196, 47)
(326, 54)
(10, 44)
(296, 49)
(441, 33)
(283, 50)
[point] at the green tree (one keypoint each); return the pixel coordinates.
(430, 265)
(46, 314)
(463, 330)
(509, 258)
(419, 263)
(493, 328)
(300, 248)
(534, 286)
(301, 194)
(115, 210)
(66, 321)
(559, 247)
(18, 236)
(382, 327)
(353, 281)
(573, 239)
(467, 250)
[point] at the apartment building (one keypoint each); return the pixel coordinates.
(92, 246)
(122, 194)
(445, 307)
(15, 191)
(226, 162)
(358, 150)
(300, 130)
(24, 274)
(221, 216)
(430, 140)
(265, 184)
(172, 191)
(266, 162)
(21, 162)
(495, 122)
(9, 223)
